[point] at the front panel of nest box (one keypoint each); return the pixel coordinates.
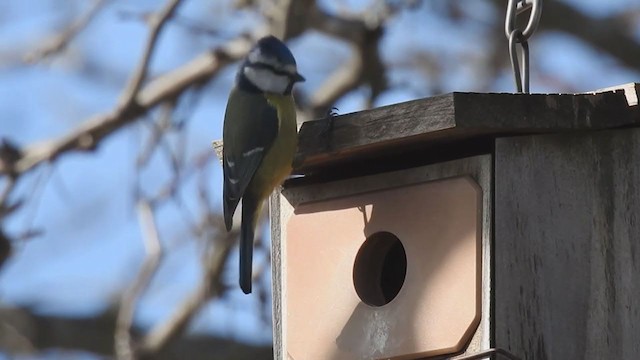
(386, 274)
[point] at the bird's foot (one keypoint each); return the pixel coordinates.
(329, 119)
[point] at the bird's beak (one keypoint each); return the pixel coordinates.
(298, 78)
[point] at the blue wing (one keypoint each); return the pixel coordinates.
(255, 127)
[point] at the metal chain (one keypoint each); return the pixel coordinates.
(522, 77)
(518, 36)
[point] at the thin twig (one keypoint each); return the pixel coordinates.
(172, 327)
(4, 196)
(31, 211)
(209, 288)
(186, 23)
(124, 348)
(60, 41)
(159, 130)
(365, 66)
(156, 25)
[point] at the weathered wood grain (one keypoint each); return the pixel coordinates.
(567, 245)
(279, 213)
(631, 92)
(458, 116)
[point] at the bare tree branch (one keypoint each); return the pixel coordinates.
(4, 195)
(159, 130)
(59, 42)
(23, 331)
(608, 34)
(343, 80)
(364, 67)
(92, 131)
(157, 22)
(9, 154)
(289, 18)
(6, 248)
(124, 347)
(210, 287)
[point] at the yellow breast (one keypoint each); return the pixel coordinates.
(276, 165)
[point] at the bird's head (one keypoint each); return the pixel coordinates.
(270, 67)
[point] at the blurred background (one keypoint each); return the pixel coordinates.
(111, 240)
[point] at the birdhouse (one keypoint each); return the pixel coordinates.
(461, 226)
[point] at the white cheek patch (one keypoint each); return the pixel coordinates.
(266, 80)
(256, 57)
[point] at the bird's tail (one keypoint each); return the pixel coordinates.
(250, 211)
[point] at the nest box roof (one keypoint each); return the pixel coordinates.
(445, 121)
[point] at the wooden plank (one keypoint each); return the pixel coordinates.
(631, 92)
(283, 205)
(458, 116)
(567, 245)
(279, 213)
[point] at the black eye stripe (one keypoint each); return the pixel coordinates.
(270, 68)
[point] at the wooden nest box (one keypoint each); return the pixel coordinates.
(449, 226)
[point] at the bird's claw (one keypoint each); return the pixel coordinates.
(329, 119)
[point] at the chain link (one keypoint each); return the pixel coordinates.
(521, 75)
(518, 36)
(517, 7)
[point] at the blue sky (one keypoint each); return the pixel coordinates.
(91, 247)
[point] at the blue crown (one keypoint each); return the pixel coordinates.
(272, 46)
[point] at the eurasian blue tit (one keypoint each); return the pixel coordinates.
(259, 138)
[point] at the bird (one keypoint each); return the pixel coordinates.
(259, 138)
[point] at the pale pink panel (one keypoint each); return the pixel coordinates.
(437, 308)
